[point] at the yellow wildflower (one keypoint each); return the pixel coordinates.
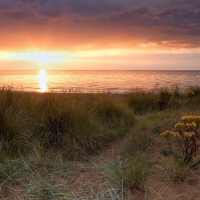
(165, 133)
(175, 134)
(179, 125)
(190, 93)
(191, 118)
(192, 124)
(188, 134)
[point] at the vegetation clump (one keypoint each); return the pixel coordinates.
(75, 124)
(187, 135)
(133, 172)
(176, 169)
(141, 101)
(163, 99)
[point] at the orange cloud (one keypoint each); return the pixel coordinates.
(81, 25)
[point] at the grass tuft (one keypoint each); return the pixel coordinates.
(141, 101)
(132, 172)
(176, 169)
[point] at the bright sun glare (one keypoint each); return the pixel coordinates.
(42, 78)
(39, 57)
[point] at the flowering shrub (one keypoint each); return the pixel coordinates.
(187, 135)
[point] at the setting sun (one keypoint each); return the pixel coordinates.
(42, 80)
(39, 57)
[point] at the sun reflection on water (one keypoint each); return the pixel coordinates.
(42, 78)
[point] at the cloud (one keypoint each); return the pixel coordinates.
(20, 14)
(94, 24)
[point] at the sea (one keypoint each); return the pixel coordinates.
(119, 81)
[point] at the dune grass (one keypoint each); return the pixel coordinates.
(76, 124)
(40, 133)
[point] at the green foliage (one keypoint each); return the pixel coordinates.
(76, 124)
(176, 102)
(195, 90)
(136, 141)
(163, 99)
(136, 171)
(196, 102)
(42, 189)
(65, 122)
(176, 169)
(11, 173)
(141, 102)
(190, 96)
(133, 172)
(193, 97)
(176, 91)
(167, 152)
(9, 170)
(15, 124)
(112, 111)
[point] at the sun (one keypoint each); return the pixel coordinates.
(42, 78)
(39, 57)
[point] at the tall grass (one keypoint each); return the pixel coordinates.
(15, 124)
(43, 127)
(76, 124)
(141, 101)
(65, 124)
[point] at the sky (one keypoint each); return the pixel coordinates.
(100, 34)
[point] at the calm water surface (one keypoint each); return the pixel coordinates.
(97, 81)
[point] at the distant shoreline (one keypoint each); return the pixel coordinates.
(162, 70)
(126, 91)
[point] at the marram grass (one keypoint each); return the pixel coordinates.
(76, 124)
(40, 132)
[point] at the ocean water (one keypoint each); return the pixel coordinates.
(96, 81)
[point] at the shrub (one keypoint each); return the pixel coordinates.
(163, 99)
(187, 135)
(141, 102)
(176, 91)
(190, 95)
(195, 90)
